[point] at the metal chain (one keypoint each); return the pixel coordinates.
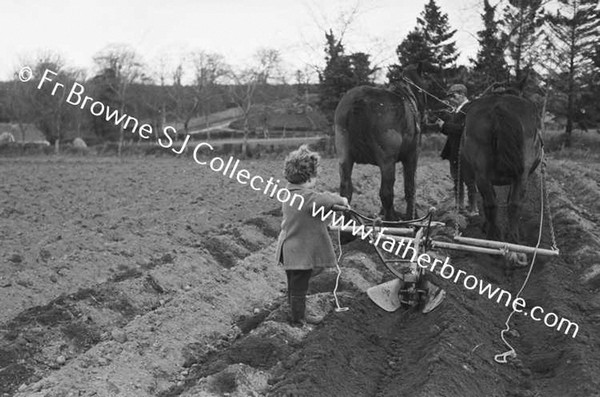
(457, 183)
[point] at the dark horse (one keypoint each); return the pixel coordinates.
(381, 127)
(501, 145)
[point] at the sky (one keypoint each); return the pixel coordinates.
(236, 29)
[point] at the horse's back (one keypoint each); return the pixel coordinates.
(501, 137)
(373, 123)
(516, 108)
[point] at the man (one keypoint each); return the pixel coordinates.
(453, 127)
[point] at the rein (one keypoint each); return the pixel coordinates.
(407, 80)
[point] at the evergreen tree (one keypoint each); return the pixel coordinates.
(414, 48)
(429, 42)
(574, 33)
(438, 35)
(336, 77)
(341, 73)
(522, 22)
(490, 65)
(362, 72)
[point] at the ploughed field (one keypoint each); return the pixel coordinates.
(155, 277)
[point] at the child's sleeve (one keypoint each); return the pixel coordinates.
(328, 200)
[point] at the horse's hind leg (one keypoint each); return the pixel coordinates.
(472, 197)
(409, 169)
(346, 189)
(490, 209)
(515, 202)
(459, 189)
(386, 191)
(469, 180)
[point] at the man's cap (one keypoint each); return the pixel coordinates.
(459, 88)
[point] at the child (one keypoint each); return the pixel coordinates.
(304, 242)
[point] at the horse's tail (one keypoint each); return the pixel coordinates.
(507, 143)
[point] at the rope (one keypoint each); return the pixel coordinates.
(339, 273)
(501, 358)
(541, 135)
(431, 95)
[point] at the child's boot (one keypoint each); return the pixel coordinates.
(298, 307)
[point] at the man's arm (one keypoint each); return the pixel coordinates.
(454, 125)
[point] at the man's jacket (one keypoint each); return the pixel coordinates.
(453, 128)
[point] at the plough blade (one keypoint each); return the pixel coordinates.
(387, 295)
(434, 297)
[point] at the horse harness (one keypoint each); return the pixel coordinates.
(407, 95)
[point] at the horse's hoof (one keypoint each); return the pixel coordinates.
(392, 216)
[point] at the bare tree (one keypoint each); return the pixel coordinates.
(242, 93)
(303, 78)
(207, 68)
(157, 102)
(78, 118)
(268, 65)
(123, 67)
(245, 83)
(183, 98)
(19, 106)
(42, 100)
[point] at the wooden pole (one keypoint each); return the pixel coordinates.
(406, 239)
(426, 224)
(512, 247)
(399, 231)
(462, 247)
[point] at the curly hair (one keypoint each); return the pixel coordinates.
(301, 165)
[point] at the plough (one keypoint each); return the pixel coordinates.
(409, 288)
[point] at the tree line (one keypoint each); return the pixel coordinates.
(122, 81)
(556, 51)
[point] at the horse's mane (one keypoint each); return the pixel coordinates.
(401, 89)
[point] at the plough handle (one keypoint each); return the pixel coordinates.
(365, 220)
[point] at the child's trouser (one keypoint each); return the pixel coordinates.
(297, 281)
